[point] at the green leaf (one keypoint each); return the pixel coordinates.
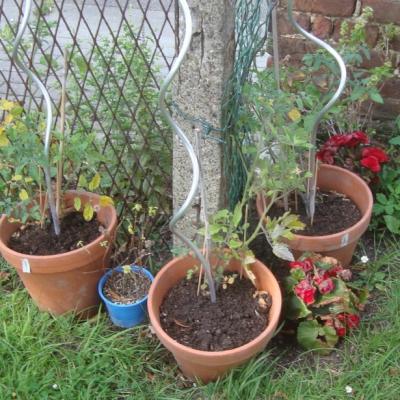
(82, 182)
(237, 215)
(282, 251)
(395, 141)
(88, 212)
(235, 244)
(77, 203)
(381, 198)
(95, 182)
(392, 223)
(295, 308)
(376, 97)
(313, 336)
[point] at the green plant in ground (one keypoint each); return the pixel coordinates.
(320, 73)
(319, 297)
(23, 160)
(121, 101)
(387, 198)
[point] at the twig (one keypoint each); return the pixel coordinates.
(62, 132)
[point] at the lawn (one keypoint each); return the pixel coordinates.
(43, 357)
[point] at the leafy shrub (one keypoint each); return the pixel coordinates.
(320, 300)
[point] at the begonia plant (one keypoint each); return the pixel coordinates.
(320, 299)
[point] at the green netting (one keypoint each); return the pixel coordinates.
(252, 21)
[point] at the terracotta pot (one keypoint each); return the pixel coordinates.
(64, 282)
(210, 365)
(339, 245)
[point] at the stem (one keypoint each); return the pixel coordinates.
(261, 220)
(62, 132)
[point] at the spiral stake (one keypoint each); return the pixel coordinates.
(181, 212)
(49, 115)
(312, 163)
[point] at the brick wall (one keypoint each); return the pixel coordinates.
(324, 18)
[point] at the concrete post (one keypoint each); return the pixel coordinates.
(198, 92)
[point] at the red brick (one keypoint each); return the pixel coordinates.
(294, 48)
(385, 11)
(389, 110)
(322, 27)
(376, 60)
(391, 88)
(395, 44)
(286, 28)
(332, 8)
(372, 32)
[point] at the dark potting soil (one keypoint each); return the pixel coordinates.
(238, 316)
(334, 213)
(126, 288)
(75, 233)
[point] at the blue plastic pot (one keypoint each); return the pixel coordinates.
(125, 315)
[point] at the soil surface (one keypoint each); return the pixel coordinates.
(334, 213)
(75, 233)
(126, 288)
(238, 316)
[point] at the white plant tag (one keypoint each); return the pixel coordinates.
(345, 240)
(26, 266)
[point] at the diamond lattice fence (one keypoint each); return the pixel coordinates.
(117, 53)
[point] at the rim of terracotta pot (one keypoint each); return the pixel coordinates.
(274, 319)
(365, 216)
(55, 257)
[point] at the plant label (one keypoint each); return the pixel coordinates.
(345, 240)
(26, 266)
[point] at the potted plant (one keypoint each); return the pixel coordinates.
(61, 262)
(337, 204)
(124, 289)
(217, 307)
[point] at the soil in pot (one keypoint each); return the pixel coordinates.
(126, 288)
(334, 212)
(239, 315)
(75, 233)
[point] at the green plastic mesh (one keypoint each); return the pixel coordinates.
(252, 22)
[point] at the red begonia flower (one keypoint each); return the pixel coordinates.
(340, 331)
(356, 138)
(376, 152)
(371, 163)
(325, 156)
(326, 286)
(334, 271)
(305, 291)
(305, 265)
(353, 321)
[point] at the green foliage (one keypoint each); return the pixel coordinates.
(362, 85)
(387, 198)
(23, 160)
(120, 84)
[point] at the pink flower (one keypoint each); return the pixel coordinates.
(305, 291)
(334, 271)
(326, 286)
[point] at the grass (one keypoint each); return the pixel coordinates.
(92, 360)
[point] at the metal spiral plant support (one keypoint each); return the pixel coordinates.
(312, 163)
(192, 155)
(49, 115)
